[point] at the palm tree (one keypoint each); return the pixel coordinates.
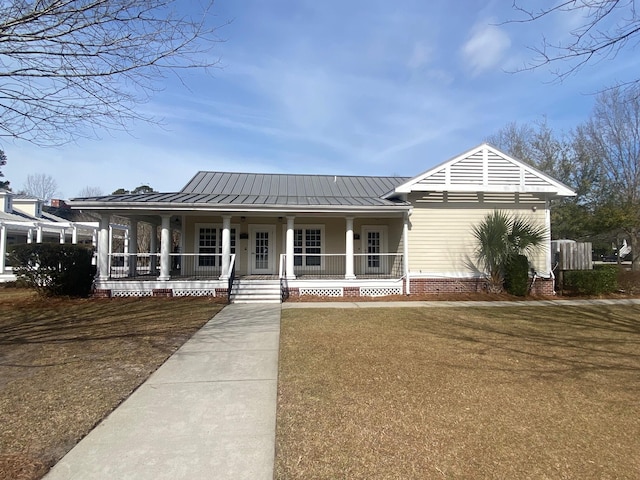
(501, 238)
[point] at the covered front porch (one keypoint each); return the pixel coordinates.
(198, 254)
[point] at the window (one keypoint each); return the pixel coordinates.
(210, 241)
(307, 247)
(207, 244)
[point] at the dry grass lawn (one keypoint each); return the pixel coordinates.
(65, 364)
(510, 393)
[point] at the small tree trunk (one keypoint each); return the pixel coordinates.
(635, 250)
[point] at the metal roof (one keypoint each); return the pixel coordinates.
(257, 189)
(260, 184)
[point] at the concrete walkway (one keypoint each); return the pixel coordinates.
(208, 413)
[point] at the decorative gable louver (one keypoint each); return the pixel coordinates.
(485, 169)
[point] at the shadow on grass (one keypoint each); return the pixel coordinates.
(571, 338)
(59, 321)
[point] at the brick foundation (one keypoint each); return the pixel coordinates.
(162, 292)
(101, 293)
(221, 292)
(351, 291)
(426, 286)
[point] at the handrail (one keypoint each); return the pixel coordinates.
(232, 275)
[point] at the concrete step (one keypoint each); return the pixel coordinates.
(255, 291)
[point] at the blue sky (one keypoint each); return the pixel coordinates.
(334, 87)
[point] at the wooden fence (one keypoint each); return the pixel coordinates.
(575, 256)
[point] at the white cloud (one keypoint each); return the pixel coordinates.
(485, 48)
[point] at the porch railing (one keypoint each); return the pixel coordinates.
(183, 265)
(365, 265)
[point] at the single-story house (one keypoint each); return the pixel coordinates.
(24, 219)
(261, 236)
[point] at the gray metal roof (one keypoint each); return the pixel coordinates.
(256, 189)
(259, 184)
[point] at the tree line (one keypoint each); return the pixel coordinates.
(599, 158)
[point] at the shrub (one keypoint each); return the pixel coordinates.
(54, 269)
(602, 279)
(516, 276)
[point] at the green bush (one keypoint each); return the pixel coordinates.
(53, 268)
(602, 279)
(516, 276)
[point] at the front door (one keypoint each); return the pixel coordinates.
(374, 245)
(262, 254)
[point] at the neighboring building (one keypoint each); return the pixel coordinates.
(24, 220)
(321, 234)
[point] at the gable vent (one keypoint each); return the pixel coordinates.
(468, 171)
(502, 171)
(437, 178)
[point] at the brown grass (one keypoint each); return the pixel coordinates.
(547, 392)
(65, 364)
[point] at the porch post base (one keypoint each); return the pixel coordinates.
(349, 277)
(290, 277)
(164, 278)
(223, 277)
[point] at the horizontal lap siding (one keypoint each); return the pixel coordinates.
(441, 240)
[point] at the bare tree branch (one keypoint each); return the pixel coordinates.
(606, 27)
(70, 66)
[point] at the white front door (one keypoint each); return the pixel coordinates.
(262, 249)
(373, 245)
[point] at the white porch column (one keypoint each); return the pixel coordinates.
(30, 235)
(226, 247)
(405, 251)
(74, 235)
(153, 248)
(132, 258)
(62, 236)
(39, 234)
(103, 247)
(348, 249)
(3, 247)
(289, 250)
(165, 248)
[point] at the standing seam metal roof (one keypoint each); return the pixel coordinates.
(223, 188)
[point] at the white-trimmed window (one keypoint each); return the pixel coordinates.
(308, 245)
(209, 241)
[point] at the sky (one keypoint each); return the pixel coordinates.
(338, 87)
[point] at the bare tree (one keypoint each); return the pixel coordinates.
(68, 67)
(90, 192)
(41, 185)
(612, 135)
(605, 28)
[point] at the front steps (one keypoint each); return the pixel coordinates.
(255, 291)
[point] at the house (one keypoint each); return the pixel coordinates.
(24, 219)
(259, 236)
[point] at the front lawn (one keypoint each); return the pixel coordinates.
(410, 393)
(65, 364)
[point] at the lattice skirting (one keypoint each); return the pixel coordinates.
(322, 291)
(131, 293)
(195, 293)
(379, 291)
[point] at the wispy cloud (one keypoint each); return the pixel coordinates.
(485, 48)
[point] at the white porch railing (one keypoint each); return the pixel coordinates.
(183, 265)
(365, 265)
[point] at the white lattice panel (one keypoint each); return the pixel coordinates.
(380, 291)
(322, 292)
(131, 293)
(194, 293)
